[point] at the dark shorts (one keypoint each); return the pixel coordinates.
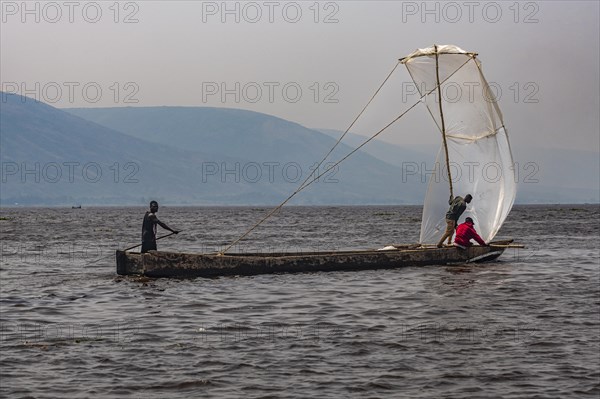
(148, 246)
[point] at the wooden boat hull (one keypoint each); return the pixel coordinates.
(176, 264)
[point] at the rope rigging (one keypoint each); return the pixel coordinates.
(308, 180)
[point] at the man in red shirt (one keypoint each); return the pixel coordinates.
(465, 232)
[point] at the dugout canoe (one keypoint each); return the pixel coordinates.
(177, 264)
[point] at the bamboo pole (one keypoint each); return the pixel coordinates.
(437, 76)
(159, 238)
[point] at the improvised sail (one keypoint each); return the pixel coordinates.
(476, 143)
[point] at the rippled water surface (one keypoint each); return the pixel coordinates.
(526, 325)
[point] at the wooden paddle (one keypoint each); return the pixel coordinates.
(135, 246)
(161, 237)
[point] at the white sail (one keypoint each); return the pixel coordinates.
(479, 152)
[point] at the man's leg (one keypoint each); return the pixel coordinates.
(148, 246)
(448, 233)
(450, 230)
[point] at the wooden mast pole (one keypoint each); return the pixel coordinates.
(437, 75)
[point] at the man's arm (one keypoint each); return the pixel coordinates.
(477, 238)
(164, 226)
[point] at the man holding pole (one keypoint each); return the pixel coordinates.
(149, 228)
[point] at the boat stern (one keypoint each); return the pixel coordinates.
(129, 263)
(121, 262)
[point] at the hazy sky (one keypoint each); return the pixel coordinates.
(315, 63)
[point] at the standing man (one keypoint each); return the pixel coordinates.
(149, 228)
(457, 207)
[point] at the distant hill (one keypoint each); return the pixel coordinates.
(266, 140)
(179, 156)
(214, 156)
(50, 157)
(393, 154)
(237, 133)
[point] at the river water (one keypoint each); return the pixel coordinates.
(526, 325)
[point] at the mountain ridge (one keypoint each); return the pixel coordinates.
(43, 139)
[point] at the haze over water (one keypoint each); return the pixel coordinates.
(525, 325)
